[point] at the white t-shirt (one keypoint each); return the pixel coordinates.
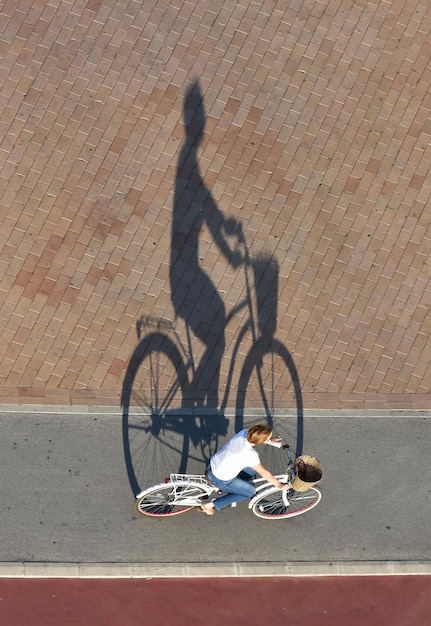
(233, 457)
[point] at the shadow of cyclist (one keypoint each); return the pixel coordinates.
(167, 429)
(194, 296)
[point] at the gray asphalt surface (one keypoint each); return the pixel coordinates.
(66, 495)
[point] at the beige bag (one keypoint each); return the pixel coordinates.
(308, 473)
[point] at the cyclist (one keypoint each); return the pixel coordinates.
(233, 467)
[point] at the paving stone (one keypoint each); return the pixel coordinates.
(315, 147)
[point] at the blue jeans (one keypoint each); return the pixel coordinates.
(237, 489)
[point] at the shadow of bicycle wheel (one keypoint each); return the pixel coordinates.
(155, 424)
(164, 431)
(269, 390)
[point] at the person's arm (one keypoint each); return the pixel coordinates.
(266, 474)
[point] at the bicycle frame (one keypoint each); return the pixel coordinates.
(186, 480)
(199, 481)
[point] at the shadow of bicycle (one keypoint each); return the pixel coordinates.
(173, 416)
(164, 431)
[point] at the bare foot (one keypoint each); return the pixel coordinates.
(208, 509)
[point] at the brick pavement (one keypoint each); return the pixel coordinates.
(316, 145)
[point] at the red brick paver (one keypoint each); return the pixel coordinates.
(317, 140)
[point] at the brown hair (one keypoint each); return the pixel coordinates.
(258, 434)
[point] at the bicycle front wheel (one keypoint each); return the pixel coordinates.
(167, 500)
(272, 504)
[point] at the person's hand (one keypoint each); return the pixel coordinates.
(277, 442)
(285, 486)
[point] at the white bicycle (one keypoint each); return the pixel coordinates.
(182, 492)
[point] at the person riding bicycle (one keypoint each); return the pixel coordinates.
(233, 467)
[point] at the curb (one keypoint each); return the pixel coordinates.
(214, 570)
(59, 410)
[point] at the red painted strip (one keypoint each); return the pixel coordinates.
(335, 601)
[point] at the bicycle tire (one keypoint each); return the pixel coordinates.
(157, 501)
(271, 505)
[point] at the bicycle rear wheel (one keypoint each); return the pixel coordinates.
(165, 500)
(272, 505)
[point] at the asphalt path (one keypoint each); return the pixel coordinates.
(66, 495)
